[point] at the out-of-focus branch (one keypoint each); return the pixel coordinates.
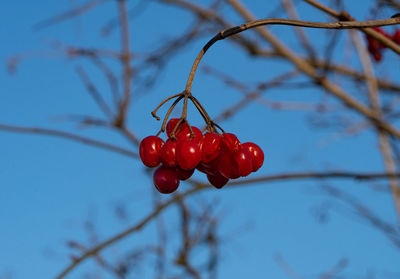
(346, 16)
(94, 93)
(198, 186)
(392, 232)
(69, 136)
(384, 143)
(125, 61)
(285, 266)
(278, 21)
(291, 11)
(254, 49)
(335, 270)
(69, 14)
(310, 71)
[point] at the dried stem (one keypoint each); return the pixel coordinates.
(154, 112)
(252, 24)
(291, 22)
(168, 114)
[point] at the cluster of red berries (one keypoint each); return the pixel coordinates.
(375, 47)
(220, 157)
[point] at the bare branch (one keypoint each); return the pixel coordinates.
(198, 186)
(69, 136)
(69, 14)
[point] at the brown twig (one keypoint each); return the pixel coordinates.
(368, 31)
(291, 22)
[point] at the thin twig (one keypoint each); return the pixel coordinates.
(200, 187)
(69, 136)
(125, 61)
(93, 91)
(69, 14)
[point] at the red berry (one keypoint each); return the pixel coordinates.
(227, 166)
(172, 124)
(168, 154)
(166, 180)
(243, 161)
(206, 168)
(375, 47)
(217, 180)
(377, 56)
(149, 151)
(229, 143)
(185, 134)
(256, 153)
(188, 154)
(209, 146)
(184, 174)
(396, 36)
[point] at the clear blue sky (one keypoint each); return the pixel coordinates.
(50, 187)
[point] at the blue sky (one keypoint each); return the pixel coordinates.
(51, 186)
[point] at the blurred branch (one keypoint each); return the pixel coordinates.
(69, 14)
(69, 136)
(291, 11)
(310, 71)
(389, 230)
(125, 61)
(112, 79)
(94, 93)
(198, 186)
(254, 49)
(347, 17)
(252, 23)
(337, 268)
(284, 265)
(384, 143)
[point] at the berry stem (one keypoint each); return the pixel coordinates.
(169, 113)
(276, 21)
(153, 113)
(202, 111)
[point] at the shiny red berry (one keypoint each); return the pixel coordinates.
(256, 153)
(185, 134)
(168, 154)
(217, 180)
(229, 143)
(172, 124)
(166, 180)
(227, 166)
(188, 154)
(209, 147)
(184, 174)
(243, 161)
(207, 168)
(149, 151)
